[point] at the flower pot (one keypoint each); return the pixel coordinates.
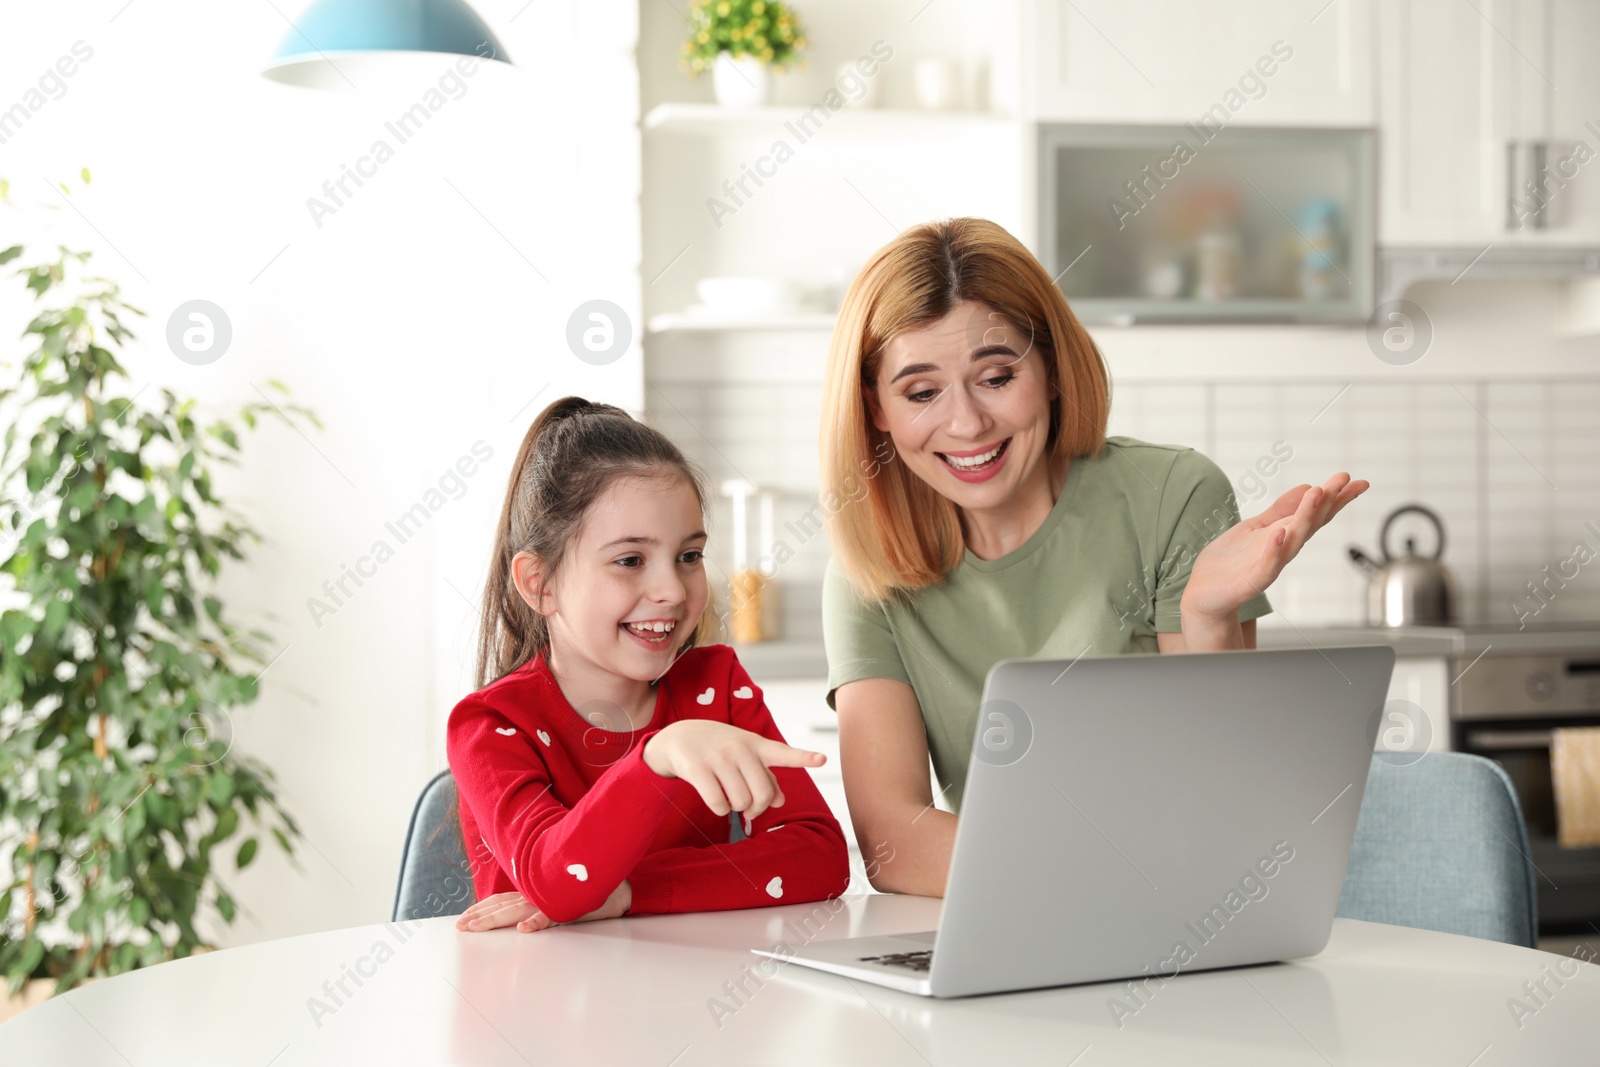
(34, 991)
(740, 82)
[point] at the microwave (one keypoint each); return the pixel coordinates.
(1208, 223)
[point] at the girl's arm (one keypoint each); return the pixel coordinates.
(566, 861)
(793, 854)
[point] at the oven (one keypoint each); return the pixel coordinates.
(1507, 702)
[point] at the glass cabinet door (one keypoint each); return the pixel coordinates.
(1196, 222)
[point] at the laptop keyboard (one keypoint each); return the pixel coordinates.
(916, 961)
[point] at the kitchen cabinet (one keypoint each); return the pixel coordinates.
(1416, 712)
(1417, 708)
(1469, 96)
(1175, 61)
(1573, 101)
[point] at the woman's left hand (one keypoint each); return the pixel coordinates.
(1246, 558)
(504, 909)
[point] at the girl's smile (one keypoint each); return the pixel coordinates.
(651, 633)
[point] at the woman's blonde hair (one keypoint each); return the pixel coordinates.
(890, 530)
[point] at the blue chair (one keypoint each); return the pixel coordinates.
(1440, 845)
(435, 877)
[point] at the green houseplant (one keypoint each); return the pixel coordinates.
(738, 41)
(118, 666)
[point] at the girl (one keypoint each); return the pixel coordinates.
(597, 772)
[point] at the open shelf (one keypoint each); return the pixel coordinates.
(681, 321)
(720, 120)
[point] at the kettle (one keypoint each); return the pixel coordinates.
(1408, 590)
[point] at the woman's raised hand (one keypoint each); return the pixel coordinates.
(1247, 557)
(726, 764)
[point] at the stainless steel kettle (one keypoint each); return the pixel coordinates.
(1408, 590)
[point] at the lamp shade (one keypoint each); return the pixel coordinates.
(334, 40)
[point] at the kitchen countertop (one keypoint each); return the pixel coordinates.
(1468, 640)
(806, 659)
(1441, 641)
(783, 659)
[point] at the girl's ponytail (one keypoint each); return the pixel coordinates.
(573, 451)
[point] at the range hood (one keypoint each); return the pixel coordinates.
(1575, 268)
(1401, 268)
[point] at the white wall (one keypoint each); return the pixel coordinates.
(414, 320)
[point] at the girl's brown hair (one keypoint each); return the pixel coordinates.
(902, 534)
(571, 454)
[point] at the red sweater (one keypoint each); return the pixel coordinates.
(562, 811)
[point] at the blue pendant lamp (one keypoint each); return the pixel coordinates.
(334, 41)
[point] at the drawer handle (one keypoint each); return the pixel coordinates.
(1503, 740)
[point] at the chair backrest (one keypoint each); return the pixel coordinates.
(1440, 845)
(435, 876)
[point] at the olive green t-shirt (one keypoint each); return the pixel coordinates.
(1102, 576)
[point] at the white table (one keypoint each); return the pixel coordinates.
(637, 991)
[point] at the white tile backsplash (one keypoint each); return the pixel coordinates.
(1511, 467)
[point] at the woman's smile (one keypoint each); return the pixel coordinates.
(976, 464)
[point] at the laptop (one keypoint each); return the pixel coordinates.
(1141, 817)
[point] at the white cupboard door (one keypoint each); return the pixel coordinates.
(1262, 62)
(1573, 152)
(1457, 83)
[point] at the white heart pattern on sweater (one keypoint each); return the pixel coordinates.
(543, 737)
(744, 692)
(775, 887)
(578, 871)
(707, 697)
(506, 730)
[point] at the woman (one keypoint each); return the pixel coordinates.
(1005, 525)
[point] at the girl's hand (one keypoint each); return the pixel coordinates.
(726, 764)
(504, 909)
(1247, 557)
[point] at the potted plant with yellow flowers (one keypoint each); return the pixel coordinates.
(739, 41)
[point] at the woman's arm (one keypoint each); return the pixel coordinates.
(1245, 559)
(1239, 564)
(883, 756)
(1181, 642)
